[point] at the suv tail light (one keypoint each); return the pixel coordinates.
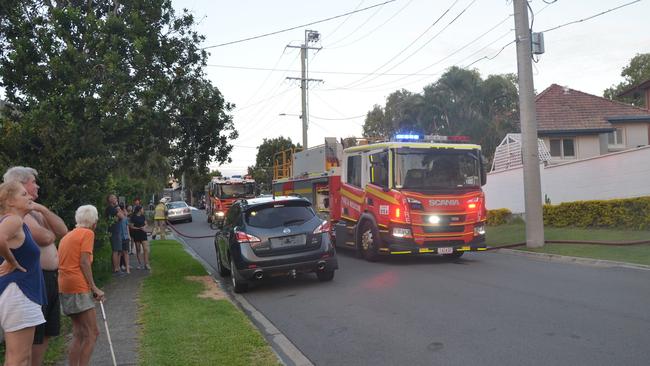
(323, 228)
(245, 238)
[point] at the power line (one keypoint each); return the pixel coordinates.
(337, 119)
(369, 32)
(356, 82)
(591, 17)
(311, 71)
(297, 27)
(430, 39)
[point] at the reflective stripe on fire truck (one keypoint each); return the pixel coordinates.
(351, 196)
(382, 195)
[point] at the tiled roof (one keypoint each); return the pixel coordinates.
(564, 109)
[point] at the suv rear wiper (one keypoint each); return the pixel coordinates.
(294, 221)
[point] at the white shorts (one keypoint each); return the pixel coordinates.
(17, 311)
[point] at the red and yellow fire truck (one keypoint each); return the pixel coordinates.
(410, 195)
(223, 191)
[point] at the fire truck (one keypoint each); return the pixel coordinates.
(223, 191)
(411, 195)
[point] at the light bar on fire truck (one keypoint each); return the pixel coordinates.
(430, 138)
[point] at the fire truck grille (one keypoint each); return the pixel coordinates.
(443, 229)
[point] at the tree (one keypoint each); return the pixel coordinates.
(262, 171)
(106, 90)
(459, 103)
(633, 74)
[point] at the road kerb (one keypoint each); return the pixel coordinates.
(576, 260)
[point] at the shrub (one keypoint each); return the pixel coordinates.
(499, 216)
(629, 213)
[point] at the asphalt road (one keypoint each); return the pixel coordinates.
(484, 309)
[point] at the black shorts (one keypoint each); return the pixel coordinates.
(51, 311)
(126, 244)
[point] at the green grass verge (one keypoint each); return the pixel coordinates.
(516, 233)
(179, 328)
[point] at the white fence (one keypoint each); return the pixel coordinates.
(623, 174)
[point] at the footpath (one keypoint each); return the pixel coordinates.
(121, 306)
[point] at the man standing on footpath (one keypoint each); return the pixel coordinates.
(159, 218)
(46, 227)
(114, 215)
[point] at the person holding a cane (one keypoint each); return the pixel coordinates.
(77, 288)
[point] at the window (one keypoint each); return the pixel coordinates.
(279, 214)
(379, 169)
(354, 170)
(615, 137)
(233, 217)
(563, 148)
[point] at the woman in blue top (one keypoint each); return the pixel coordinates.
(22, 289)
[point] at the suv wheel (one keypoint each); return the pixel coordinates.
(325, 276)
(239, 285)
(369, 241)
(223, 272)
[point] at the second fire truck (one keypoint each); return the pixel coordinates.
(222, 192)
(411, 195)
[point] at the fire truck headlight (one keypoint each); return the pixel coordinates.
(434, 219)
(220, 214)
(479, 230)
(400, 232)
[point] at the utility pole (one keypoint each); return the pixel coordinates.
(528, 121)
(310, 36)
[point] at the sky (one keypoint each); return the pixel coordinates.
(403, 44)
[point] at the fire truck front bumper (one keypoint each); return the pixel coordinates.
(451, 247)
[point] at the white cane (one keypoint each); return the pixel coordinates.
(108, 334)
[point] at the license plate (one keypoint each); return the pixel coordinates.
(288, 241)
(445, 250)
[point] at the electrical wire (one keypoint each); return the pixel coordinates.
(297, 27)
(356, 82)
(590, 17)
(369, 32)
(428, 41)
(311, 71)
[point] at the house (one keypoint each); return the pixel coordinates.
(575, 125)
(589, 148)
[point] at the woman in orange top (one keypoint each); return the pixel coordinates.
(77, 287)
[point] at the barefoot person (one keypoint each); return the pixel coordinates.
(22, 290)
(46, 227)
(77, 286)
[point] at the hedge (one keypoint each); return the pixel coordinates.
(499, 216)
(630, 213)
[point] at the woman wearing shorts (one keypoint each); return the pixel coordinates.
(138, 226)
(78, 292)
(21, 279)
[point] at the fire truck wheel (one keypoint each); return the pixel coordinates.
(369, 241)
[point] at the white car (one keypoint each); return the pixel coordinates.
(178, 211)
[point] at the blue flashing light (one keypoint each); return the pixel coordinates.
(407, 137)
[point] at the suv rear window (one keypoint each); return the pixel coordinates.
(277, 214)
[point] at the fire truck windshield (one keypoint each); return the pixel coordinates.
(236, 190)
(436, 169)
